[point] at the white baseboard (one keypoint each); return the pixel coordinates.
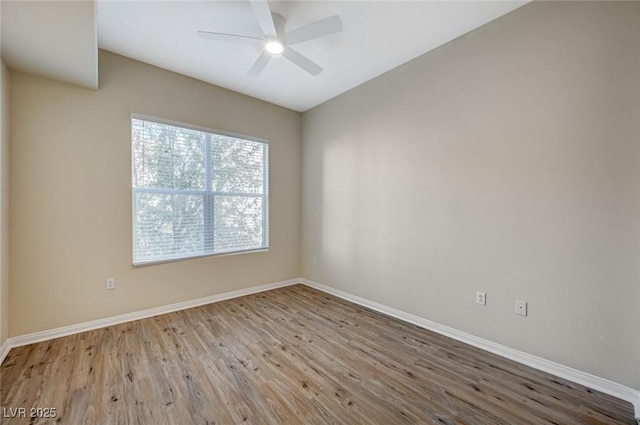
(18, 341)
(4, 350)
(612, 388)
(595, 382)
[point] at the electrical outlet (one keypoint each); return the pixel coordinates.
(481, 298)
(110, 283)
(521, 308)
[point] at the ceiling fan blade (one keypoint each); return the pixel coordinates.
(302, 61)
(259, 64)
(228, 37)
(316, 29)
(263, 14)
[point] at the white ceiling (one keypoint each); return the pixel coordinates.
(53, 39)
(378, 36)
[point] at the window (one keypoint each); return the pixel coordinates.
(196, 192)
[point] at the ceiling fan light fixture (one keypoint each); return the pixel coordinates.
(277, 39)
(274, 47)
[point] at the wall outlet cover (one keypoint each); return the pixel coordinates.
(110, 283)
(521, 307)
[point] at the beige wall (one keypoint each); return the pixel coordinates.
(70, 192)
(4, 203)
(507, 161)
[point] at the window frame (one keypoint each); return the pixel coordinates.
(208, 194)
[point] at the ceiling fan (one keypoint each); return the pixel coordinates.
(276, 40)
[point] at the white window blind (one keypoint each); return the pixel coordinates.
(196, 192)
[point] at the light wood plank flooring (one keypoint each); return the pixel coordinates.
(288, 356)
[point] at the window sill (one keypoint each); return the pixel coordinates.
(192, 257)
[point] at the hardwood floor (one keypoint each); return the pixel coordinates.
(292, 355)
